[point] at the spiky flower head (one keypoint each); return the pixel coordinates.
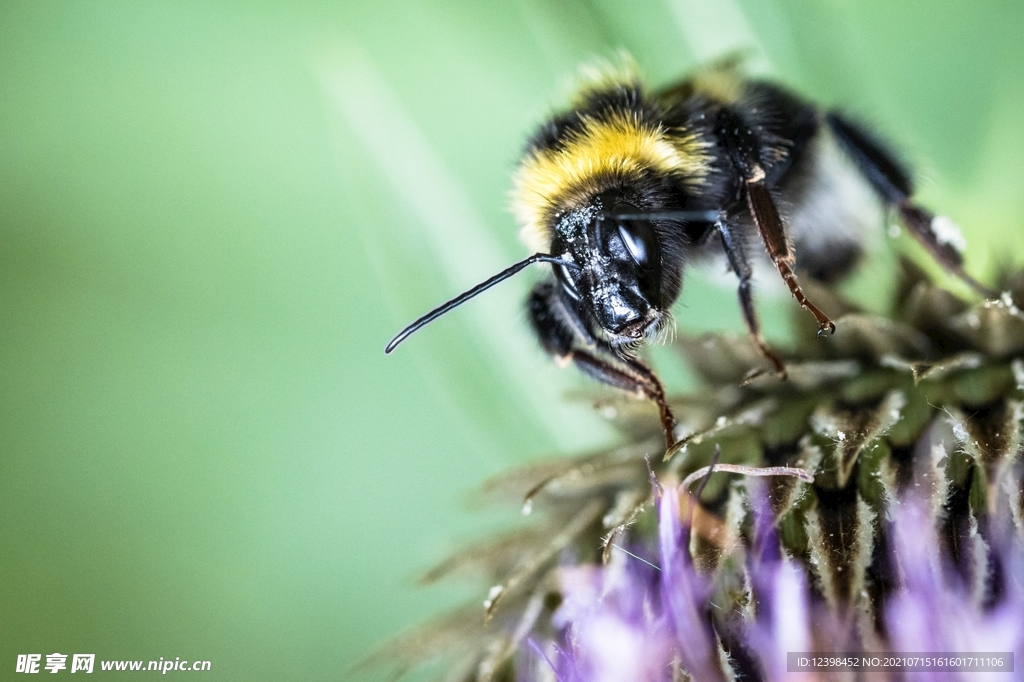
(891, 519)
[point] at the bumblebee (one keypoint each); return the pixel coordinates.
(623, 190)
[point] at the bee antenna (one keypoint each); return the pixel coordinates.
(686, 216)
(465, 296)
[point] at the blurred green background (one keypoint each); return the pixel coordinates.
(214, 215)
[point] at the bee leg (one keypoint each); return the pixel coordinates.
(638, 378)
(656, 392)
(745, 150)
(559, 326)
(741, 266)
(769, 224)
(937, 234)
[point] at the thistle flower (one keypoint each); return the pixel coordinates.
(903, 532)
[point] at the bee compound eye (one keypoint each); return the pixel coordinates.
(641, 241)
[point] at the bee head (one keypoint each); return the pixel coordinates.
(614, 266)
(617, 281)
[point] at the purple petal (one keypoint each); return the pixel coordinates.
(685, 594)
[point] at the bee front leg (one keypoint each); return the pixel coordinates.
(741, 266)
(557, 320)
(638, 378)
